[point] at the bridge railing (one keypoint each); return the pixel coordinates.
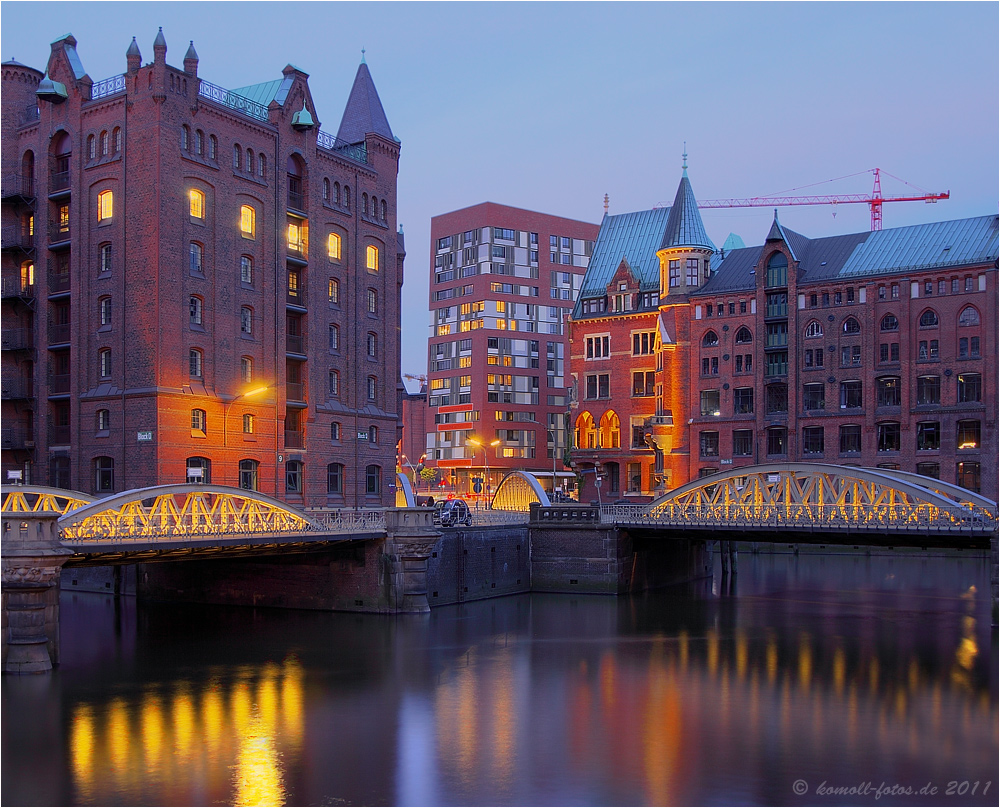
(367, 521)
(496, 516)
(867, 517)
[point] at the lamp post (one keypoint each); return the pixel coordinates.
(552, 432)
(416, 485)
(486, 461)
(225, 412)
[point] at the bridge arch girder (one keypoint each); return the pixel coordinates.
(517, 490)
(18, 499)
(815, 494)
(404, 492)
(184, 510)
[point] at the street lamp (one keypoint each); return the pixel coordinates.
(416, 485)
(552, 432)
(486, 461)
(225, 412)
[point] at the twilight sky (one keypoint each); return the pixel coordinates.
(549, 106)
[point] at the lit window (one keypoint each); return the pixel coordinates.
(248, 223)
(296, 237)
(333, 246)
(372, 258)
(105, 205)
(198, 421)
(248, 423)
(197, 199)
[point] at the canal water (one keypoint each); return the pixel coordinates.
(809, 679)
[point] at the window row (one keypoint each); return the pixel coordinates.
(195, 142)
(104, 144)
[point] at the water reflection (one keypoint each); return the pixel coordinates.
(175, 743)
(680, 697)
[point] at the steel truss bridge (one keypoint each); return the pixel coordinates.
(174, 521)
(802, 498)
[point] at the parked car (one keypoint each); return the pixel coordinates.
(452, 512)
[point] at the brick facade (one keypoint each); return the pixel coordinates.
(233, 256)
(870, 349)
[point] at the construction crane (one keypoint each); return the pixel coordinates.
(873, 200)
(420, 377)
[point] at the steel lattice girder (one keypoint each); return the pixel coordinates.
(517, 490)
(60, 500)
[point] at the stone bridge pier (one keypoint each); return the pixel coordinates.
(32, 561)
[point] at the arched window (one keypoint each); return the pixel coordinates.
(333, 289)
(262, 166)
(743, 336)
(333, 245)
(373, 480)
(196, 203)
(372, 301)
(199, 138)
(195, 367)
(372, 344)
(250, 161)
(248, 474)
(296, 182)
(777, 270)
(116, 137)
(293, 476)
(104, 362)
(335, 478)
(92, 147)
(199, 471)
(347, 197)
(105, 143)
(373, 434)
(105, 205)
(586, 431)
(364, 204)
(196, 254)
(246, 320)
(889, 323)
(248, 423)
(196, 313)
(326, 189)
(851, 326)
(374, 207)
(336, 193)
(384, 211)
(104, 474)
(928, 319)
(814, 329)
(333, 383)
(248, 221)
(237, 156)
(710, 340)
(334, 337)
(103, 420)
(372, 258)
(185, 137)
(610, 430)
(969, 316)
(372, 388)
(246, 269)
(246, 369)
(213, 147)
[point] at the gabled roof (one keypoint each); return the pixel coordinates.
(363, 113)
(684, 226)
(634, 237)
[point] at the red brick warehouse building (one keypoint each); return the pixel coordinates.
(198, 283)
(504, 281)
(871, 349)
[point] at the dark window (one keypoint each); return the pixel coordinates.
(709, 443)
(742, 442)
(335, 478)
(812, 440)
(104, 474)
(813, 396)
(710, 402)
(887, 438)
(929, 470)
(851, 394)
(970, 388)
(777, 443)
(850, 438)
(776, 398)
(248, 474)
(889, 323)
(777, 270)
(967, 475)
(887, 391)
(929, 389)
(928, 435)
(928, 319)
(743, 400)
(851, 326)
(293, 476)
(373, 480)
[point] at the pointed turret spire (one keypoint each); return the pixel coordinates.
(160, 47)
(363, 113)
(132, 57)
(191, 60)
(684, 226)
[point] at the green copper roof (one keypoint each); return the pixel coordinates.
(263, 93)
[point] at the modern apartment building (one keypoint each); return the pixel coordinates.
(198, 283)
(503, 282)
(874, 349)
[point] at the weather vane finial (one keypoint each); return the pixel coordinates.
(685, 156)
(363, 56)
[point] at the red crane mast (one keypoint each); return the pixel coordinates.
(873, 200)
